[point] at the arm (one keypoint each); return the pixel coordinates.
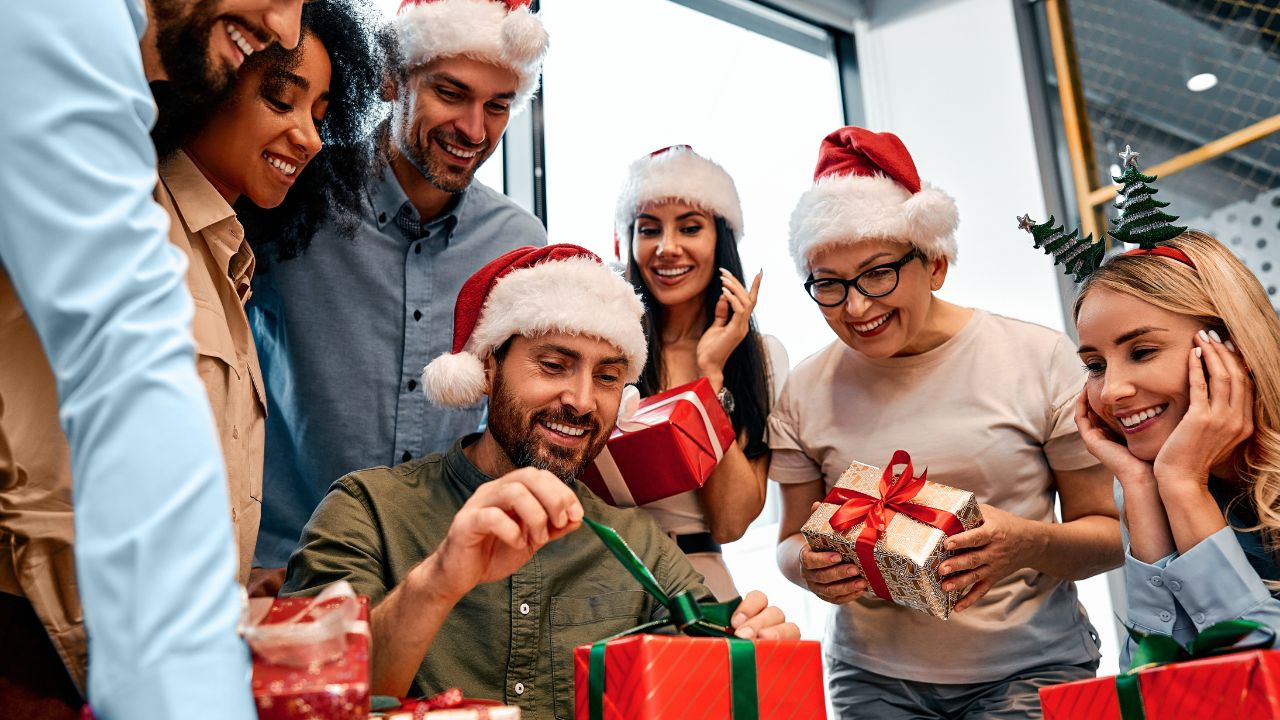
(825, 574)
(86, 249)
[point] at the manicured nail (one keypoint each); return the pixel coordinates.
(1204, 336)
(1198, 353)
(1230, 346)
(1214, 334)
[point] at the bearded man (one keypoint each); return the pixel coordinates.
(552, 336)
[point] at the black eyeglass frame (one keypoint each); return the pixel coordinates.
(896, 266)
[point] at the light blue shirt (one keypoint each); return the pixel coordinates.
(343, 332)
(87, 251)
(1221, 578)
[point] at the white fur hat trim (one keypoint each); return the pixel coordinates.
(677, 174)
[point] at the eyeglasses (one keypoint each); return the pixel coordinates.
(873, 282)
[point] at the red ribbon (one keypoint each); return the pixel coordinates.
(1163, 251)
(450, 699)
(896, 494)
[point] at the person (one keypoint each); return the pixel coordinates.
(550, 335)
(1181, 405)
(985, 403)
(386, 285)
(681, 218)
(95, 341)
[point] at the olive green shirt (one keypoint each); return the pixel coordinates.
(509, 640)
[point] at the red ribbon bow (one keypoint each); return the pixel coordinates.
(896, 494)
(450, 699)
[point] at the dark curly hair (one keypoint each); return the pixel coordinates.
(331, 186)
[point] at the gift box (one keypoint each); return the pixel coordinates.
(660, 677)
(892, 525)
(448, 705)
(663, 445)
(311, 656)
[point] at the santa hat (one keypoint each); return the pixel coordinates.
(531, 291)
(679, 174)
(866, 188)
(501, 32)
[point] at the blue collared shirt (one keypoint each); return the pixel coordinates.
(343, 333)
(87, 251)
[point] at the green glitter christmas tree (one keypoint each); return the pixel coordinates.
(1141, 221)
(1080, 256)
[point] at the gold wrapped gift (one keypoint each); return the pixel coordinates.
(892, 525)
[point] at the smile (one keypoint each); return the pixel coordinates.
(673, 272)
(1131, 422)
(868, 327)
(457, 151)
(285, 167)
(238, 38)
(565, 429)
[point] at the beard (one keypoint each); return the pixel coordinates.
(184, 31)
(437, 171)
(524, 446)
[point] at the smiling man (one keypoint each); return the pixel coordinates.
(465, 66)
(551, 335)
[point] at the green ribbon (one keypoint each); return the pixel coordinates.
(1154, 650)
(686, 615)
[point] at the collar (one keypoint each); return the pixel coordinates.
(460, 467)
(386, 197)
(206, 213)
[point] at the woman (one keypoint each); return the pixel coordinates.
(985, 403)
(680, 217)
(1182, 404)
(250, 153)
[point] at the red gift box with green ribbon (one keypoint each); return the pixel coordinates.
(1214, 678)
(707, 673)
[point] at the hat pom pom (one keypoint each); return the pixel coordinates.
(454, 380)
(524, 39)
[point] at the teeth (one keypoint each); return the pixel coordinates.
(281, 165)
(239, 40)
(673, 272)
(874, 324)
(566, 430)
(459, 153)
(1137, 419)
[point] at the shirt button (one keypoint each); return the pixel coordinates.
(1199, 618)
(1174, 585)
(519, 688)
(406, 457)
(524, 608)
(1165, 615)
(417, 315)
(1156, 581)
(235, 433)
(417, 248)
(382, 217)
(413, 384)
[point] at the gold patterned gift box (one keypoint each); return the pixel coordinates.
(892, 525)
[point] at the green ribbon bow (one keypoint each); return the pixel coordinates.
(1155, 650)
(687, 616)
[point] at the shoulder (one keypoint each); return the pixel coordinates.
(488, 206)
(392, 486)
(818, 364)
(1021, 333)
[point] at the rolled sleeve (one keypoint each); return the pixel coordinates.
(1063, 446)
(789, 463)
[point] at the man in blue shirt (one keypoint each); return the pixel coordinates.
(344, 330)
(92, 297)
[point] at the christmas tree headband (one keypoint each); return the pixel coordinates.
(1141, 221)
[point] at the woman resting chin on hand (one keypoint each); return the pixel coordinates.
(1182, 404)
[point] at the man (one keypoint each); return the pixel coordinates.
(93, 295)
(551, 336)
(343, 330)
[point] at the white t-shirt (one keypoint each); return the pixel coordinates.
(990, 411)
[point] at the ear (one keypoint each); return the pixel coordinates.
(938, 272)
(490, 370)
(390, 88)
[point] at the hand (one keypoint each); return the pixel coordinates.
(265, 582)
(756, 619)
(726, 331)
(1003, 544)
(500, 527)
(1103, 445)
(831, 577)
(1219, 417)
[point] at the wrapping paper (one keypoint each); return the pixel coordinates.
(907, 552)
(449, 705)
(665, 677)
(1240, 686)
(663, 445)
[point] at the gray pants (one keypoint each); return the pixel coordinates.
(857, 693)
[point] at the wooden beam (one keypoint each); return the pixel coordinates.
(1075, 118)
(1204, 153)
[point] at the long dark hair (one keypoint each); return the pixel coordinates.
(745, 372)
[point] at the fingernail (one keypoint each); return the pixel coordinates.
(1230, 346)
(738, 619)
(1204, 336)
(562, 518)
(575, 512)
(1198, 353)
(1214, 334)
(746, 633)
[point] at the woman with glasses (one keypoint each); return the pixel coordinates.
(677, 221)
(985, 403)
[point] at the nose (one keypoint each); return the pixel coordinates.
(471, 123)
(856, 304)
(284, 21)
(306, 138)
(669, 244)
(579, 394)
(1116, 387)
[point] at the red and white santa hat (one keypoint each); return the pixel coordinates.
(501, 32)
(678, 174)
(532, 291)
(866, 187)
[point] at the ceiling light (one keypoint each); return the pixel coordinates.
(1201, 82)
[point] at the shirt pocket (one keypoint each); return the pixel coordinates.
(233, 399)
(583, 620)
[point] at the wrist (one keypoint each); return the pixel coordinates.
(429, 584)
(713, 376)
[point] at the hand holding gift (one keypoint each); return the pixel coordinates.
(1003, 544)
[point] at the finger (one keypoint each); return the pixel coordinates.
(960, 581)
(739, 309)
(835, 573)
(976, 537)
(962, 561)
(737, 289)
(751, 605)
(1219, 379)
(557, 499)
(722, 312)
(841, 593)
(815, 560)
(974, 595)
(1198, 386)
(480, 524)
(518, 501)
(785, 631)
(755, 288)
(767, 617)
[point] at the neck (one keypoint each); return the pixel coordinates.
(151, 65)
(429, 200)
(941, 324)
(226, 191)
(488, 456)
(683, 321)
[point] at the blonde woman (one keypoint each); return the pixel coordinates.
(1182, 404)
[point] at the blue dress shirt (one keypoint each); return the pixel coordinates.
(87, 251)
(343, 332)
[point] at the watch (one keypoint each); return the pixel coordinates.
(726, 399)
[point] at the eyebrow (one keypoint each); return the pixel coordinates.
(298, 80)
(1125, 337)
(574, 354)
(861, 265)
(685, 216)
(447, 78)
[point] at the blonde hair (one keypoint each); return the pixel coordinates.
(1222, 292)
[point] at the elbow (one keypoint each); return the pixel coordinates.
(722, 534)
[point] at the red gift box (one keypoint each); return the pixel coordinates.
(672, 677)
(1239, 686)
(336, 689)
(669, 444)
